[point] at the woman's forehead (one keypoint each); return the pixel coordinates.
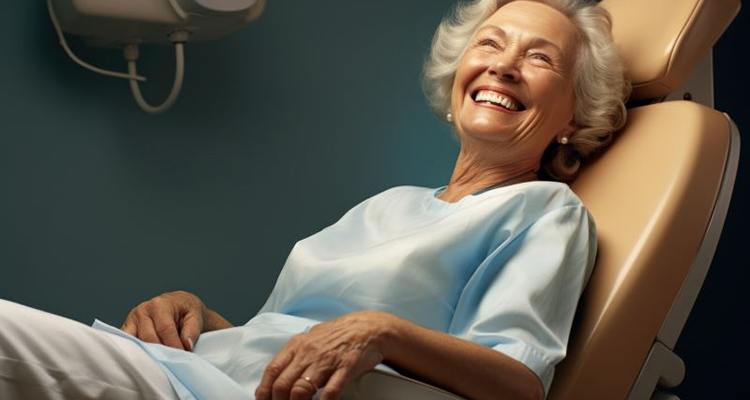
(533, 20)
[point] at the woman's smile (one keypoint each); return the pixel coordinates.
(497, 99)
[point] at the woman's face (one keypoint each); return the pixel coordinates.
(513, 86)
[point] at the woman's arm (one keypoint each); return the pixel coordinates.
(462, 367)
(335, 352)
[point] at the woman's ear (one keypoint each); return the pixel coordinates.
(567, 132)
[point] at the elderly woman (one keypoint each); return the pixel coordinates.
(471, 287)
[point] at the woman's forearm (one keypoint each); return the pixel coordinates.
(462, 367)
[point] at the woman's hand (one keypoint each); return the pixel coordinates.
(175, 319)
(327, 357)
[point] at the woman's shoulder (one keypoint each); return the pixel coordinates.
(543, 195)
(529, 202)
(384, 197)
(553, 191)
(540, 196)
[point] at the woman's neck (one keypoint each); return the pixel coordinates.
(472, 175)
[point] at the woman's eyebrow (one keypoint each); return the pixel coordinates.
(534, 42)
(493, 28)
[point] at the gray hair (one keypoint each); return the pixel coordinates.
(601, 88)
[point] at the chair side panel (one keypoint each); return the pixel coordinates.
(651, 195)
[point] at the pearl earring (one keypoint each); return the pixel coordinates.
(449, 117)
(564, 140)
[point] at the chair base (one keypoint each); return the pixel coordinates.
(663, 368)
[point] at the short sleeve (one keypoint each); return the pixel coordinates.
(522, 299)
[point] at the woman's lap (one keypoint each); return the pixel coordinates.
(45, 356)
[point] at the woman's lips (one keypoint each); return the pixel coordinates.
(493, 107)
(496, 99)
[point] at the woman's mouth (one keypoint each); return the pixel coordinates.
(484, 96)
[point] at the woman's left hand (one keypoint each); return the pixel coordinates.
(327, 357)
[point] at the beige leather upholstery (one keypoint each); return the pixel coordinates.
(662, 40)
(651, 195)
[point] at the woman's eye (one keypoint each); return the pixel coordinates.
(489, 42)
(541, 57)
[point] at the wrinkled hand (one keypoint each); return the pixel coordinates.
(174, 319)
(330, 355)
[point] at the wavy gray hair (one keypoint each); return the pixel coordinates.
(601, 88)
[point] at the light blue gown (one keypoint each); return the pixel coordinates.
(503, 268)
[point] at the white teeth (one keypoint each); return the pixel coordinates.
(497, 98)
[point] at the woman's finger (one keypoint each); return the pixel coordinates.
(335, 385)
(191, 326)
(305, 387)
(166, 328)
(282, 386)
(146, 331)
(129, 326)
(272, 371)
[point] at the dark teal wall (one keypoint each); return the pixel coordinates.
(279, 130)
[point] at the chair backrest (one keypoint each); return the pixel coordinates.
(652, 194)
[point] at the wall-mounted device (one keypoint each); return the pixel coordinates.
(130, 23)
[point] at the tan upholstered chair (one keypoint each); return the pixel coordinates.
(659, 196)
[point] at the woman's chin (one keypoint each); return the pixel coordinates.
(488, 132)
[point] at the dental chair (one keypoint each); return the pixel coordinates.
(659, 196)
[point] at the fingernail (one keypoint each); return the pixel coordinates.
(190, 344)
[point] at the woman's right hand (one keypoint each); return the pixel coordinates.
(174, 319)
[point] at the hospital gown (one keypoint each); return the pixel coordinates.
(503, 268)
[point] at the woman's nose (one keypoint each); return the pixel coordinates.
(505, 67)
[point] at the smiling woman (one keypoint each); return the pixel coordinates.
(571, 41)
(471, 287)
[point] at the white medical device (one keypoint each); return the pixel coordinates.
(130, 23)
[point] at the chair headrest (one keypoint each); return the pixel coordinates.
(662, 41)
